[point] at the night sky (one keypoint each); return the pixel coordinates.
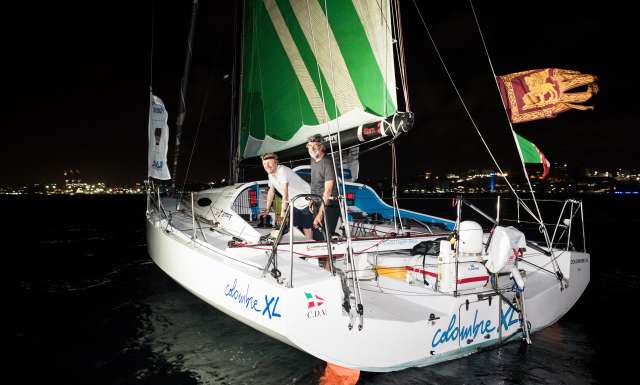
(78, 78)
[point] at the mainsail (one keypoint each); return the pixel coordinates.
(314, 67)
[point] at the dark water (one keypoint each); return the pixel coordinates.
(87, 306)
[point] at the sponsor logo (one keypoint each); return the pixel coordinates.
(158, 109)
(157, 164)
(246, 300)
(314, 306)
(333, 138)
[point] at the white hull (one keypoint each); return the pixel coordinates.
(397, 332)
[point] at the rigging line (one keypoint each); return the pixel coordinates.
(394, 160)
(401, 57)
(539, 268)
(151, 53)
(539, 200)
(151, 65)
(335, 103)
(341, 199)
(391, 29)
(343, 210)
(195, 138)
(527, 222)
(315, 50)
(233, 174)
(394, 189)
(343, 207)
(207, 246)
(389, 290)
(239, 151)
(182, 108)
(383, 140)
(513, 133)
(383, 86)
(360, 144)
(469, 113)
(399, 48)
(324, 103)
(566, 229)
(366, 150)
(400, 54)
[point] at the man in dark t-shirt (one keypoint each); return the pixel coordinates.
(323, 183)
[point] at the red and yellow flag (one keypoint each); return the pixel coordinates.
(542, 93)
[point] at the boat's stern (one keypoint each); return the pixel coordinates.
(550, 296)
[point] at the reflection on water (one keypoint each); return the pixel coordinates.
(188, 333)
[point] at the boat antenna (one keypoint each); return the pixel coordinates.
(182, 107)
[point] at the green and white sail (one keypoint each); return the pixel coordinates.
(313, 67)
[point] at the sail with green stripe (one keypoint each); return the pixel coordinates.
(313, 67)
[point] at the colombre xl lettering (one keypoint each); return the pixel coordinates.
(466, 331)
(267, 307)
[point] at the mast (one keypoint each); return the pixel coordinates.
(182, 107)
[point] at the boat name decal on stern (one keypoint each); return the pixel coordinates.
(472, 330)
(250, 302)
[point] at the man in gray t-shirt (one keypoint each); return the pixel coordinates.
(321, 172)
(323, 183)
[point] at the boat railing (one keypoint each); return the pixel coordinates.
(287, 222)
(154, 201)
(562, 230)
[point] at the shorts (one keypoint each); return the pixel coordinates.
(302, 218)
(332, 213)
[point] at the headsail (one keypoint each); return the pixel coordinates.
(158, 139)
(311, 67)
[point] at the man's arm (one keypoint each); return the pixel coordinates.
(270, 196)
(328, 189)
(326, 196)
(285, 199)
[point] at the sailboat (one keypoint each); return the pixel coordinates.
(400, 288)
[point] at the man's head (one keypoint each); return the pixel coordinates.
(316, 147)
(270, 162)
